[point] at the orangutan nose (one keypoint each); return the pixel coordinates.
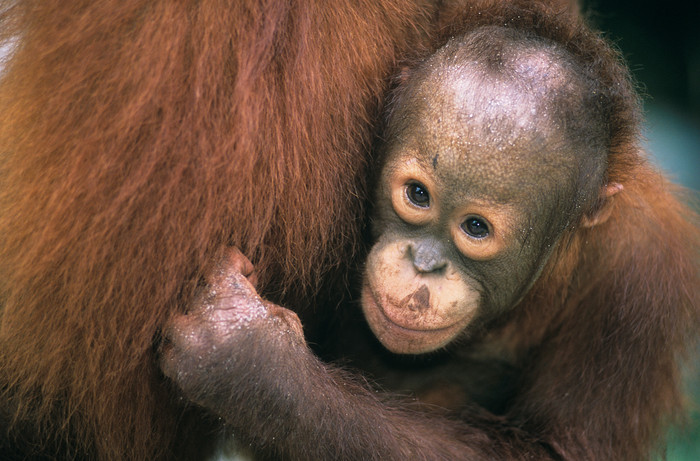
(427, 256)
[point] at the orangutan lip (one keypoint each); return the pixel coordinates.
(393, 324)
(412, 330)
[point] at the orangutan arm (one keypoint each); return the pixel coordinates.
(246, 361)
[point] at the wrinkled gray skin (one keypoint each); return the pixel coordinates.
(490, 137)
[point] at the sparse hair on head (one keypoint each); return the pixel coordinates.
(557, 67)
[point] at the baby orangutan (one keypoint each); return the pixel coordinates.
(492, 153)
(515, 220)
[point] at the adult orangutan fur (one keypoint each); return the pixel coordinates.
(138, 139)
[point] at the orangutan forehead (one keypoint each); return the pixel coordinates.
(503, 119)
(497, 136)
(518, 89)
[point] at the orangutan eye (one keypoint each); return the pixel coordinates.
(418, 195)
(476, 227)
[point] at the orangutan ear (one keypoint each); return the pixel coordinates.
(601, 213)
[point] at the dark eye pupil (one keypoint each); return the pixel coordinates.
(418, 195)
(475, 227)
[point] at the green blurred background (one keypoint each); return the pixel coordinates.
(661, 42)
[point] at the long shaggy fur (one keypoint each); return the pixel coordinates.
(137, 139)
